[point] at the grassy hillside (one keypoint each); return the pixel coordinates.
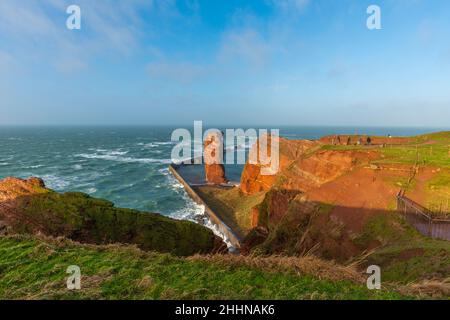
(429, 149)
(32, 268)
(406, 255)
(386, 240)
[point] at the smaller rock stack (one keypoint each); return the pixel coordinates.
(213, 157)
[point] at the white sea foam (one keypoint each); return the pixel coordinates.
(155, 144)
(147, 145)
(119, 158)
(116, 153)
(194, 211)
(97, 150)
(164, 171)
(164, 143)
(208, 223)
(35, 166)
(55, 182)
(78, 167)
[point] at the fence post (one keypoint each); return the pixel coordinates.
(431, 228)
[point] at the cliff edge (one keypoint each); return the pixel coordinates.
(27, 207)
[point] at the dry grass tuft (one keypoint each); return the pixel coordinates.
(51, 244)
(307, 265)
(435, 289)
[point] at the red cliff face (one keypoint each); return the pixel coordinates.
(303, 166)
(214, 168)
(254, 181)
(307, 173)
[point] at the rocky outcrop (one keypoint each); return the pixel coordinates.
(27, 207)
(323, 166)
(255, 213)
(213, 151)
(273, 208)
(303, 165)
(253, 180)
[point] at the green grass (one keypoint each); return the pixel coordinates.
(432, 155)
(378, 228)
(441, 180)
(405, 255)
(430, 149)
(409, 260)
(438, 194)
(401, 182)
(33, 268)
(427, 155)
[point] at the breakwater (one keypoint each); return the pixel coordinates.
(224, 229)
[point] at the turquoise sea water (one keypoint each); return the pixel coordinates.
(126, 165)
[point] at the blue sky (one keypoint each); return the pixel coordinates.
(235, 62)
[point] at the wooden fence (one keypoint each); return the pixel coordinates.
(421, 218)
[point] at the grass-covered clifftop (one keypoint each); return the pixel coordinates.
(35, 268)
(29, 208)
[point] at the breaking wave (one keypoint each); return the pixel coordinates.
(119, 157)
(155, 144)
(55, 182)
(35, 166)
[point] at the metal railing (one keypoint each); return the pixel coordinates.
(422, 218)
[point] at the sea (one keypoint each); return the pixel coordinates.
(125, 165)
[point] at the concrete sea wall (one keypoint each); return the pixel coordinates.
(214, 218)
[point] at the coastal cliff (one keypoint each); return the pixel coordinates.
(316, 225)
(338, 202)
(27, 207)
(327, 195)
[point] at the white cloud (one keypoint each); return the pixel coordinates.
(36, 30)
(183, 72)
(246, 44)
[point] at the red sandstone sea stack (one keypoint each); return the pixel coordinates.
(213, 151)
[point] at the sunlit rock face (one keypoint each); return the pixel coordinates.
(213, 157)
(253, 179)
